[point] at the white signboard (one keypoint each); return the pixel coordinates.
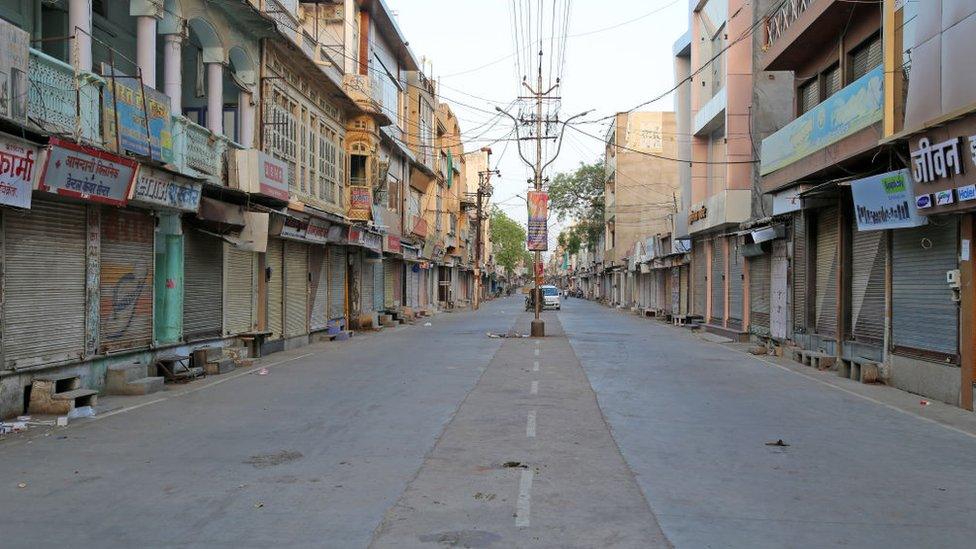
(16, 172)
(885, 202)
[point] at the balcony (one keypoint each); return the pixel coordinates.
(365, 92)
(836, 129)
(199, 152)
(711, 115)
(784, 17)
(802, 29)
(61, 103)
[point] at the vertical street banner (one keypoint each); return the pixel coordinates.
(538, 233)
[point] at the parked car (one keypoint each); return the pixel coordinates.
(550, 297)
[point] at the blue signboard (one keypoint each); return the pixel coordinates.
(143, 118)
(848, 111)
(885, 202)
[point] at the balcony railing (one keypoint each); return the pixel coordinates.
(789, 12)
(62, 102)
(197, 150)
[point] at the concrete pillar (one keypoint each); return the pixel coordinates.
(245, 106)
(146, 49)
(215, 98)
(80, 26)
(172, 73)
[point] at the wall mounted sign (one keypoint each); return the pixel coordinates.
(697, 215)
(14, 62)
(885, 202)
(272, 176)
(87, 173)
(943, 162)
(360, 203)
(160, 188)
(16, 172)
(317, 231)
(142, 113)
(538, 229)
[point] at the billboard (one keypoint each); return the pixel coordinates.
(538, 233)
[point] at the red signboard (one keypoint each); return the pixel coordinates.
(87, 173)
(273, 177)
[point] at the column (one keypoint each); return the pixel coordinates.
(146, 49)
(80, 26)
(172, 73)
(215, 98)
(245, 106)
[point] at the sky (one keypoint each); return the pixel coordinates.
(614, 59)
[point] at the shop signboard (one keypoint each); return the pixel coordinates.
(360, 203)
(885, 201)
(943, 165)
(16, 172)
(14, 61)
(142, 114)
(160, 188)
(87, 173)
(538, 230)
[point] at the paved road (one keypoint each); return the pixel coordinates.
(614, 431)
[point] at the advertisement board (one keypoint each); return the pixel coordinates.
(538, 230)
(885, 201)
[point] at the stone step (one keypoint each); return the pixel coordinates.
(43, 400)
(219, 367)
(143, 386)
(124, 373)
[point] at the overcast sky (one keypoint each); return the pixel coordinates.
(608, 70)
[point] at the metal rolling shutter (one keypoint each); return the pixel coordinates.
(126, 280)
(684, 273)
(337, 282)
(699, 275)
(779, 293)
(318, 266)
(274, 260)
(366, 295)
(413, 285)
(867, 286)
(388, 283)
(296, 288)
(676, 290)
(800, 261)
(378, 285)
(924, 317)
(827, 271)
(759, 288)
(239, 289)
(736, 281)
(44, 284)
(422, 295)
(718, 281)
(398, 297)
(203, 284)
(662, 289)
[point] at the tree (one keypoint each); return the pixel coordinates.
(579, 195)
(508, 239)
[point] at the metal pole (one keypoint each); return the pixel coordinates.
(477, 245)
(538, 179)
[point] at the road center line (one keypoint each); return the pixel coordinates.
(535, 388)
(535, 365)
(524, 503)
(530, 425)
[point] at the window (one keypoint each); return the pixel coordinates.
(831, 81)
(865, 57)
(808, 96)
(426, 132)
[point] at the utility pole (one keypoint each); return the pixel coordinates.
(484, 191)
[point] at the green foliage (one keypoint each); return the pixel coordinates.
(508, 239)
(579, 195)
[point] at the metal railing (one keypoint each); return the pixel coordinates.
(63, 102)
(786, 15)
(197, 149)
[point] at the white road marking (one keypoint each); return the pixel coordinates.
(535, 365)
(535, 388)
(524, 503)
(530, 425)
(537, 343)
(537, 352)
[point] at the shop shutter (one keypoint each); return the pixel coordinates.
(800, 263)
(126, 280)
(274, 260)
(398, 297)
(379, 284)
(826, 304)
(685, 274)
(388, 283)
(867, 286)
(779, 293)
(239, 289)
(759, 288)
(736, 281)
(337, 282)
(699, 266)
(662, 289)
(424, 295)
(924, 317)
(676, 290)
(366, 295)
(718, 281)
(318, 267)
(44, 284)
(296, 288)
(203, 284)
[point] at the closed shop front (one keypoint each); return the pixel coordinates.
(699, 276)
(296, 288)
(685, 274)
(275, 263)
(389, 283)
(867, 286)
(367, 284)
(779, 293)
(318, 282)
(718, 281)
(661, 289)
(203, 284)
(759, 291)
(240, 289)
(826, 284)
(413, 285)
(801, 259)
(736, 281)
(126, 280)
(337, 282)
(44, 284)
(925, 320)
(379, 285)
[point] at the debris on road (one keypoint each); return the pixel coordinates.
(924, 402)
(514, 465)
(21, 485)
(777, 443)
(510, 334)
(81, 412)
(263, 372)
(427, 324)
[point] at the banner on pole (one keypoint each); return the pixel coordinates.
(538, 233)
